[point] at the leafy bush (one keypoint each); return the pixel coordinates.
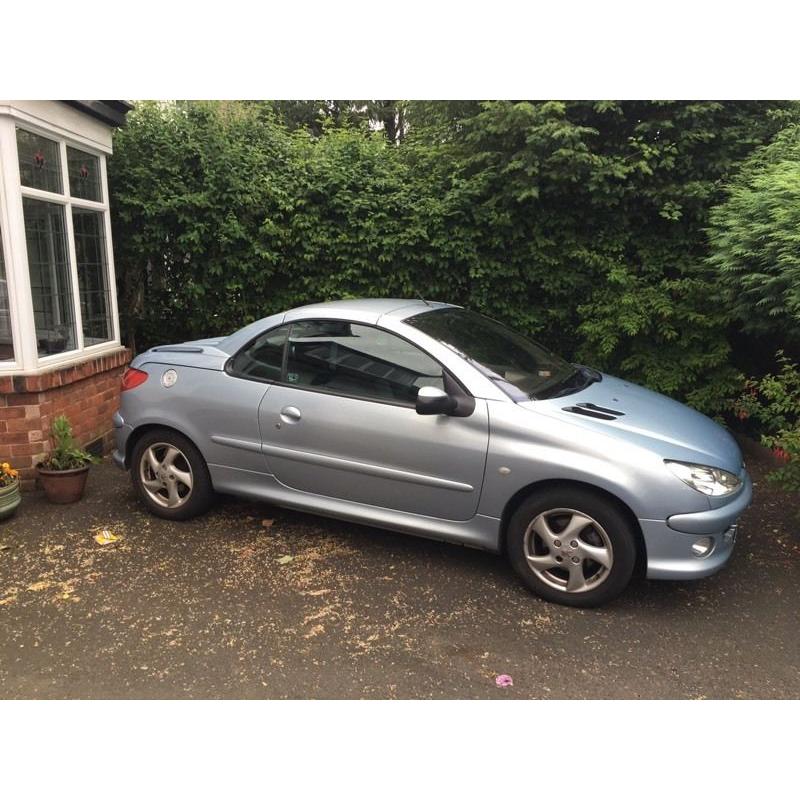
(65, 453)
(755, 239)
(585, 225)
(773, 402)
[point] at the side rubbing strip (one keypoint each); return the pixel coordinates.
(365, 468)
(240, 444)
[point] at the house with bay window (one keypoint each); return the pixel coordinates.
(60, 349)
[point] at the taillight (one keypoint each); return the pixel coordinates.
(132, 378)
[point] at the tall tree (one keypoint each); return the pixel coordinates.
(317, 115)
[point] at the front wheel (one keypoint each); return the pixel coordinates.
(572, 546)
(170, 475)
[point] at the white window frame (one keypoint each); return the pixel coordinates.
(12, 222)
(14, 292)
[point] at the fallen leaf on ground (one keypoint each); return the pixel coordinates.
(106, 537)
(285, 559)
(267, 523)
(504, 680)
(39, 586)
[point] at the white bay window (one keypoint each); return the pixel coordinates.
(57, 295)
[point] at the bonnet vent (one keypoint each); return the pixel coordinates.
(596, 412)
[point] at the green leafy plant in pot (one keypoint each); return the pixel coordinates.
(64, 471)
(9, 490)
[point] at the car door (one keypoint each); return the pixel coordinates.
(341, 422)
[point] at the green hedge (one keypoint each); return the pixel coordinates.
(581, 223)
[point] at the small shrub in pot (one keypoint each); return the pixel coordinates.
(64, 470)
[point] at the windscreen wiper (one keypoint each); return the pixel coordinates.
(592, 375)
(585, 376)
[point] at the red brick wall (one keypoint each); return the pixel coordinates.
(88, 393)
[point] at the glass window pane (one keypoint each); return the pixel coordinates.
(39, 162)
(264, 357)
(358, 361)
(51, 287)
(519, 366)
(90, 256)
(6, 340)
(84, 175)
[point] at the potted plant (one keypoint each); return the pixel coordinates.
(9, 490)
(64, 471)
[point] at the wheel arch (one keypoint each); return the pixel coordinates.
(138, 432)
(539, 486)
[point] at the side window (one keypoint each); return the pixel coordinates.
(357, 360)
(263, 358)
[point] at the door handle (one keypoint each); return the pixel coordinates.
(290, 415)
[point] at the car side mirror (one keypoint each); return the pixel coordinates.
(431, 400)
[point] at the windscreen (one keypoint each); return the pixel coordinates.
(522, 368)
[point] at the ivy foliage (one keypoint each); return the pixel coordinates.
(580, 223)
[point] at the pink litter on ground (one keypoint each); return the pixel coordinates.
(504, 680)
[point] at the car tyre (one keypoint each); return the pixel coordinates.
(572, 546)
(170, 475)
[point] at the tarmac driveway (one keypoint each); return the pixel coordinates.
(255, 602)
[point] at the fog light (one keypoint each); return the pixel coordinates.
(702, 547)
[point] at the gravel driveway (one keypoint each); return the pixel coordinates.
(252, 601)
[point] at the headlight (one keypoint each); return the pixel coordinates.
(708, 480)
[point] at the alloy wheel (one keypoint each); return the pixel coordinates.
(568, 550)
(166, 475)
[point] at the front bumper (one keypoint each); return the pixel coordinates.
(669, 542)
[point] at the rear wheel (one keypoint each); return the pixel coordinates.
(572, 546)
(170, 475)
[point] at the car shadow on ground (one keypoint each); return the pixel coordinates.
(466, 562)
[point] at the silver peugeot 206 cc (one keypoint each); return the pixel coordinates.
(429, 419)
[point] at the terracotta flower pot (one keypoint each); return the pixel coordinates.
(63, 486)
(9, 499)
